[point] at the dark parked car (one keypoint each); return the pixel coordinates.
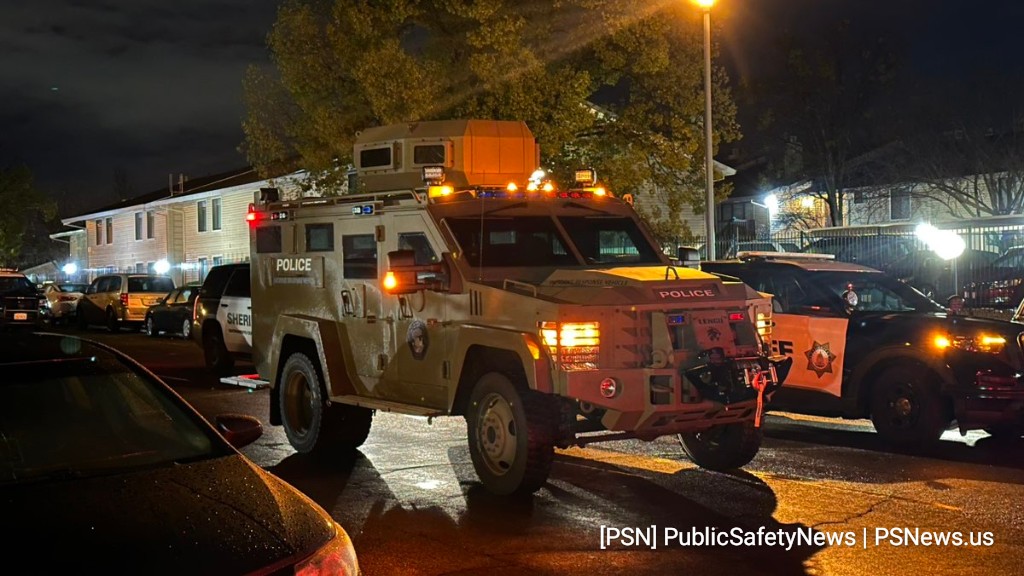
(937, 278)
(22, 304)
(866, 345)
(875, 251)
(173, 314)
(102, 461)
(1001, 285)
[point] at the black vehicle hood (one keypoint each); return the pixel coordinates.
(223, 516)
(869, 320)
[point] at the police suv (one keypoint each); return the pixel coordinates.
(865, 344)
(222, 317)
(459, 282)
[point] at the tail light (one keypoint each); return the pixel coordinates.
(124, 298)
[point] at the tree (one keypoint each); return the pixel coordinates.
(821, 106)
(24, 208)
(343, 66)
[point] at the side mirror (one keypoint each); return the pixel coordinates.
(404, 276)
(239, 430)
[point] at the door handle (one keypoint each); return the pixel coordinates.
(223, 305)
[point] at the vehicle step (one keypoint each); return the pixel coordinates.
(247, 380)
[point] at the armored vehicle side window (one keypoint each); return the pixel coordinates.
(522, 241)
(320, 237)
(360, 256)
(603, 240)
(268, 239)
(428, 154)
(238, 286)
(418, 243)
(375, 158)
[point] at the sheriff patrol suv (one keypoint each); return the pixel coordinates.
(865, 344)
(221, 317)
(459, 282)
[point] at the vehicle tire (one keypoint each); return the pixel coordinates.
(313, 427)
(215, 352)
(113, 324)
(150, 327)
(186, 328)
(724, 447)
(906, 407)
(511, 434)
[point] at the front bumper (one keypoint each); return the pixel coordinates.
(994, 401)
(657, 402)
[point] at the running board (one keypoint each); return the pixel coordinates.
(386, 406)
(246, 380)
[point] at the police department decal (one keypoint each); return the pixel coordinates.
(819, 358)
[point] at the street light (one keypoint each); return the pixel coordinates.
(709, 167)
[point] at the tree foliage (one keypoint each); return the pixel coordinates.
(24, 208)
(822, 105)
(346, 65)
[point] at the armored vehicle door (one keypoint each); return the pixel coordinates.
(419, 320)
(360, 306)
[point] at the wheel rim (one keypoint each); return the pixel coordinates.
(710, 438)
(903, 406)
(298, 404)
(149, 327)
(497, 434)
(186, 328)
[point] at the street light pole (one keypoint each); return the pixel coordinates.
(709, 167)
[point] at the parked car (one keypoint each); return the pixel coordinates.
(104, 461)
(866, 345)
(173, 314)
(875, 251)
(939, 279)
(223, 317)
(1001, 285)
(62, 300)
(22, 304)
(115, 300)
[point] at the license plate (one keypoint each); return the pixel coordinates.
(21, 315)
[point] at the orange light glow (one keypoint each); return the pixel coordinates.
(599, 191)
(390, 282)
(549, 187)
(941, 342)
(512, 187)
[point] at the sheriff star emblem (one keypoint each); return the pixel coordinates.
(819, 358)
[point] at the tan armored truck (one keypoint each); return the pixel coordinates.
(460, 282)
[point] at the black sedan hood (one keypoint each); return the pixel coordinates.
(222, 516)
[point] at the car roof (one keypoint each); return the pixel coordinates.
(809, 262)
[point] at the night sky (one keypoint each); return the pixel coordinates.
(151, 88)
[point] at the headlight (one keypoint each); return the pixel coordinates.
(988, 343)
(574, 345)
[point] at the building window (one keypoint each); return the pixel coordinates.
(150, 224)
(899, 204)
(201, 215)
(140, 267)
(320, 237)
(99, 232)
(203, 268)
(110, 230)
(215, 208)
(138, 225)
(218, 260)
(151, 267)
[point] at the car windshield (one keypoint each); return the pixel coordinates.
(86, 413)
(73, 287)
(876, 292)
(537, 241)
(16, 283)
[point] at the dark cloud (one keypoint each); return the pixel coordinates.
(149, 87)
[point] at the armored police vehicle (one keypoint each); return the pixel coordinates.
(458, 281)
